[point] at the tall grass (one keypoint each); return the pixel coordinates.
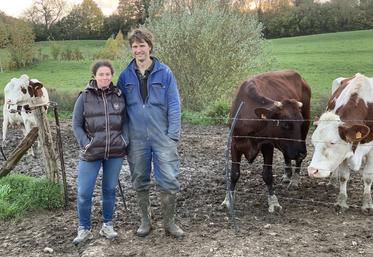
(19, 194)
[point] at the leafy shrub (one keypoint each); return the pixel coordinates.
(67, 54)
(64, 100)
(19, 193)
(113, 48)
(55, 50)
(218, 112)
(209, 47)
(77, 55)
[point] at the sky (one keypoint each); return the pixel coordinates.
(16, 7)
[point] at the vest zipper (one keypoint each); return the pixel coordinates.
(107, 129)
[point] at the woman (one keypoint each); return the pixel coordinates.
(98, 125)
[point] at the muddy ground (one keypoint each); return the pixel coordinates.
(308, 225)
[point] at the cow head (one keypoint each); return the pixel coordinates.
(35, 88)
(15, 91)
(334, 142)
(283, 122)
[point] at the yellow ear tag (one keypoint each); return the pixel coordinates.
(358, 135)
(263, 116)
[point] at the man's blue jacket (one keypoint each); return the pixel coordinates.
(159, 115)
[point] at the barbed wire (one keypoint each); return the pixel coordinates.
(226, 119)
(269, 138)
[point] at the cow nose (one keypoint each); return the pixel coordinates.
(312, 171)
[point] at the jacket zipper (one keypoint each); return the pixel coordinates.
(107, 129)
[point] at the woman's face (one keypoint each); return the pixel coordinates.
(103, 77)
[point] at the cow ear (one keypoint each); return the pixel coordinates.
(353, 133)
(30, 91)
(262, 113)
(38, 85)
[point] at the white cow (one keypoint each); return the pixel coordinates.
(19, 96)
(343, 139)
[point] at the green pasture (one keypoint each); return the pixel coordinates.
(324, 57)
(319, 58)
(64, 76)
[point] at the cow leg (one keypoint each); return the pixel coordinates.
(294, 181)
(288, 171)
(343, 176)
(267, 151)
(5, 129)
(367, 206)
(333, 179)
(235, 175)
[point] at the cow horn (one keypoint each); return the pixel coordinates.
(278, 104)
(300, 104)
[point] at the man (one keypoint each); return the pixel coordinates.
(153, 108)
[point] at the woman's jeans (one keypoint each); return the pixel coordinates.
(87, 174)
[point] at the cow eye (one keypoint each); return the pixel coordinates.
(24, 91)
(332, 143)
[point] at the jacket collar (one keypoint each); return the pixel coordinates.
(157, 65)
(92, 85)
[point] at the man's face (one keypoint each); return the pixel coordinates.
(141, 51)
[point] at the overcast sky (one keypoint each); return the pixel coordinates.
(16, 7)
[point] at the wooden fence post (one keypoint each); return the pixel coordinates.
(20, 150)
(48, 149)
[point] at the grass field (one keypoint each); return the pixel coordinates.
(65, 76)
(324, 57)
(319, 58)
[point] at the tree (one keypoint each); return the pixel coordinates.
(69, 27)
(134, 11)
(85, 21)
(113, 24)
(20, 45)
(46, 13)
(302, 2)
(93, 18)
(5, 23)
(210, 49)
(4, 35)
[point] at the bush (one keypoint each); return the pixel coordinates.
(67, 54)
(218, 112)
(113, 48)
(77, 54)
(55, 50)
(209, 47)
(19, 193)
(64, 100)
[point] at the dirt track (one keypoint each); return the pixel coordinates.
(308, 226)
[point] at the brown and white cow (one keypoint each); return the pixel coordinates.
(344, 137)
(20, 95)
(275, 114)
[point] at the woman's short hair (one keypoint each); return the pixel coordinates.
(101, 63)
